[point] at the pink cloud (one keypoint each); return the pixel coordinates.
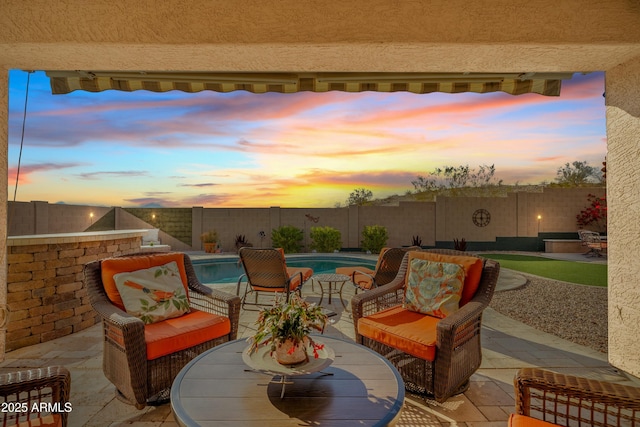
(27, 170)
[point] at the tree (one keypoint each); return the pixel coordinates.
(578, 174)
(456, 177)
(359, 196)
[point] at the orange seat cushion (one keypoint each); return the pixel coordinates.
(306, 274)
(363, 281)
(111, 266)
(472, 270)
(179, 333)
(517, 420)
(408, 331)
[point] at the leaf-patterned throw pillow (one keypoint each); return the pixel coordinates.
(433, 288)
(153, 294)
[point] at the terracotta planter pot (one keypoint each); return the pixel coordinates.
(286, 356)
(210, 247)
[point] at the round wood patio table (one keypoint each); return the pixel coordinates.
(359, 388)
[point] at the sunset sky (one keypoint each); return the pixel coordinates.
(137, 149)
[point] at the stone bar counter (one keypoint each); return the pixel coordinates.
(46, 298)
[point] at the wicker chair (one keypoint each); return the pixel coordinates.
(140, 381)
(458, 351)
(266, 272)
(565, 400)
(22, 389)
(386, 269)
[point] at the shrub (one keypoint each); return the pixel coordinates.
(594, 215)
(374, 238)
(325, 239)
(287, 237)
(460, 245)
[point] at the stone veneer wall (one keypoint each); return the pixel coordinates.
(46, 296)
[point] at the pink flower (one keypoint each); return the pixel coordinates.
(317, 347)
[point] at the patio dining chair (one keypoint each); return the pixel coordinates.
(385, 271)
(594, 243)
(266, 273)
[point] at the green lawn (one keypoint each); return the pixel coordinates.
(568, 271)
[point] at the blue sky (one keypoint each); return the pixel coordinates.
(239, 149)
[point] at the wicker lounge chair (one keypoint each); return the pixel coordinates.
(386, 269)
(22, 389)
(140, 374)
(266, 272)
(450, 351)
(561, 399)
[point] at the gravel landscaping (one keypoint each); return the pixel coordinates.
(577, 313)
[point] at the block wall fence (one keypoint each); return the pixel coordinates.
(514, 222)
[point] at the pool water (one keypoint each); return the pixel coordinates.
(228, 270)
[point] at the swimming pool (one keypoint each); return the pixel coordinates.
(228, 270)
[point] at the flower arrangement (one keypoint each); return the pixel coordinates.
(289, 322)
(210, 241)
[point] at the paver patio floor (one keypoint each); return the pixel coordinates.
(507, 346)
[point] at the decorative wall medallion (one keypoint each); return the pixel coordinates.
(481, 217)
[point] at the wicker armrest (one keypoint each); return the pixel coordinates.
(213, 300)
(458, 319)
(567, 399)
(220, 303)
(51, 384)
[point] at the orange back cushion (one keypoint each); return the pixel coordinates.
(472, 270)
(111, 266)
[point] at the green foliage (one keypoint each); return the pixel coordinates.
(578, 174)
(293, 320)
(359, 196)
(287, 237)
(374, 238)
(325, 239)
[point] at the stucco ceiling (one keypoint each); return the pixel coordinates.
(299, 36)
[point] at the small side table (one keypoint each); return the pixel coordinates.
(331, 284)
